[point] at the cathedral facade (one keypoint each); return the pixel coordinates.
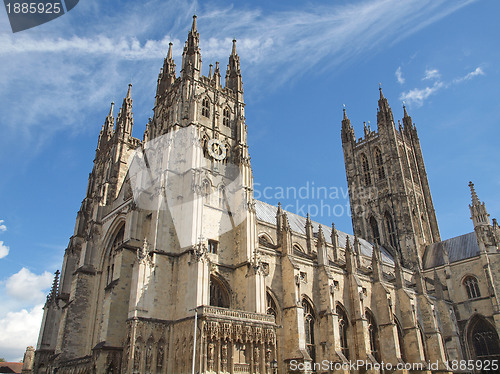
(174, 267)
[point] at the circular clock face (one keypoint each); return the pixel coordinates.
(216, 149)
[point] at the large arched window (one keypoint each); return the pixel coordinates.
(472, 287)
(373, 335)
(218, 293)
(380, 164)
(309, 328)
(483, 339)
(391, 231)
(117, 240)
(343, 328)
(375, 232)
(366, 170)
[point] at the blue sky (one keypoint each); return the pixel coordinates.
(301, 61)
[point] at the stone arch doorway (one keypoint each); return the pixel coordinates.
(483, 342)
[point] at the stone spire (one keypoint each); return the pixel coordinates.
(309, 234)
(167, 74)
(109, 121)
(407, 122)
(217, 74)
(125, 121)
(233, 73)
(479, 215)
(384, 114)
(350, 261)
(191, 57)
(51, 297)
(347, 130)
(335, 242)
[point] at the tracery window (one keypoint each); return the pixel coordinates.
(373, 335)
(380, 164)
(375, 232)
(205, 108)
(343, 327)
(226, 117)
(218, 294)
(484, 340)
(366, 170)
(472, 287)
(391, 231)
(309, 328)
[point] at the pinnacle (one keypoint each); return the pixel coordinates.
(475, 199)
(233, 52)
(345, 114)
(381, 93)
(193, 27)
(169, 54)
(404, 109)
(111, 109)
(129, 91)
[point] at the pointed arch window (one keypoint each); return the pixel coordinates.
(391, 231)
(400, 339)
(379, 162)
(472, 287)
(218, 293)
(343, 328)
(226, 117)
(375, 232)
(367, 180)
(272, 309)
(484, 340)
(205, 108)
(117, 240)
(309, 328)
(373, 335)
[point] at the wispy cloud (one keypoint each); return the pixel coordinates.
(417, 96)
(478, 71)
(3, 228)
(399, 75)
(45, 76)
(431, 74)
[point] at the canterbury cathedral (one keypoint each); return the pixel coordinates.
(175, 267)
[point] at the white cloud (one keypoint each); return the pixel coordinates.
(4, 250)
(19, 330)
(431, 74)
(477, 72)
(3, 228)
(399, 75)
(23, 295)
(418, 95)
(28, 287)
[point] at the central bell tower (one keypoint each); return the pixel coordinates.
(389, 193)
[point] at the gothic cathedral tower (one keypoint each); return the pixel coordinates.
(391, 202)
